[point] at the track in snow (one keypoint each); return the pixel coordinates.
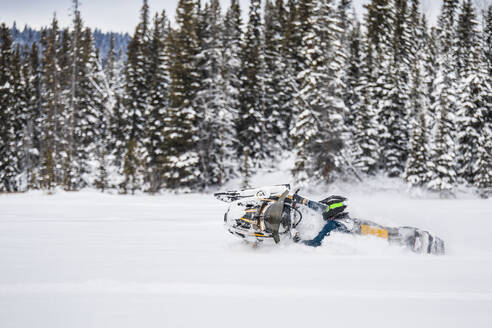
(92, 260)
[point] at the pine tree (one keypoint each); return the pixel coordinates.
(442, 177)
(51, 162)
(32, 110)
(337, 134)
(417, 29)
(345, 18)
(487, 49)
(215, 130)
(467, 38)
(65, 128)
(293, 37)
(73, 61)
(380, 31)
(367, 149)
(136, 101)
(420, 88)
(370, 122)
(98, 132)
(131, 168)
(308, 124)
(320, 126)
(181, 158)
(19, 104)
(89, 119)
(483, 167)
(442, 169)
(352, 96)
(158, 101)
(473, 87)
(115, 86)
(416, 165)
(251, 123)
(487, 38)
(395, 97)
(232, 48)
(9, 161)
(431, 70)
(278, 80)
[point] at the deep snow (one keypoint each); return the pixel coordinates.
(96, 260)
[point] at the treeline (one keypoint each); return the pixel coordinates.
(26, 36)
(207, 99)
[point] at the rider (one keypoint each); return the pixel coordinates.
(332, 209)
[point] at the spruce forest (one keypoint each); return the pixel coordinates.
(207, 97)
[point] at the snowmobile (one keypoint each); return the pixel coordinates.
(274, 213)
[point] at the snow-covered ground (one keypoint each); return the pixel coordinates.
(96, 260)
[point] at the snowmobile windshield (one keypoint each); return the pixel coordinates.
(273, 216)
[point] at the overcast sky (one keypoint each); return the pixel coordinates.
(122, 15)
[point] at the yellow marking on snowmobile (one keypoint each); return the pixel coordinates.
(259, 235)
(289, 197)
(250, 211)
(246, 220)
(375, 231)
(267, 200)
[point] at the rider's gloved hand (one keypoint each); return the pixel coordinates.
(295, 236)
(335, 207)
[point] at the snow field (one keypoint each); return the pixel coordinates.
(96, 260)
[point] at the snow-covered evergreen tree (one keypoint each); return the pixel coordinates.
(32, 126)
(215, 129)
(181, 159)
(84, 107)
(158, 101)
(293, 36)
(487, 51)
(370, 121)
(352, 96)
(115, 89)
(487, 38)
(467, 38)
(442, 168)
(483, 166)
(232, 48)
(99, 136)
(416, 170)
(9, 159)
(319, 130)
(51, 161)
(366, 126)
(473, 92)
(430, 69)
(90, 120)
(308, 124)
(136, 102)
(442, 178)
(278, 78)
(20, 116)
(65, 136)
(251, 129)
(336, 131)
(416, 166)
(394, 96)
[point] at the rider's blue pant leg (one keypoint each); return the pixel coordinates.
(329, 227)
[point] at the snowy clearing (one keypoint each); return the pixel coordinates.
(96, 260)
